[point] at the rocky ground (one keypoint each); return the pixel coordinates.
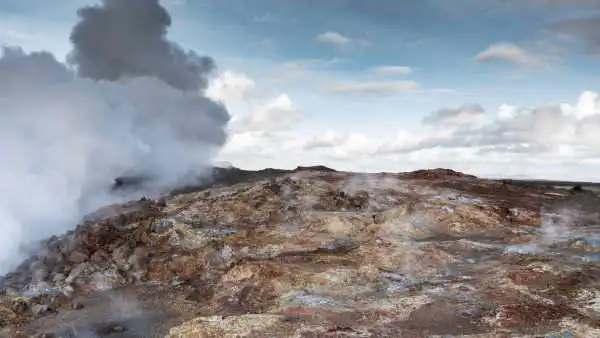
(319, 253)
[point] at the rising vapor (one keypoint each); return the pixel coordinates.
(130, 102)
(128, 38)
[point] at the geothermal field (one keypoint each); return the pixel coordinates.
(115, 222)
(318, 253)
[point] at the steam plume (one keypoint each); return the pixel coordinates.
(133, 104)
(127, 38)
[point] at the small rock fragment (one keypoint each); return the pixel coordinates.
(76, 305)
(39, 309)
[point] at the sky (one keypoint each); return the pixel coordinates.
(495, 88)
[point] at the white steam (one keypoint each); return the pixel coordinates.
(64, 138)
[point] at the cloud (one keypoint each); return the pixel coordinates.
(543, 130)
(390, 70)
(465, 115)
(340, 40)
(507, 112)
(255, 120)
(342, 146)
(326, 140)
(523, 141)
(262, 118)
(584, 30)
(544, 142)
(259, 149)
(355, 144)
(505, 52)
(511, 53)
(332, 38)
(275, 114)
(372, 88)
(248, 142)
(231, 87)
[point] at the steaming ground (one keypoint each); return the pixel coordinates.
(313, 252)
(129, 102)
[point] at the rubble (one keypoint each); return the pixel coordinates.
(318, 253)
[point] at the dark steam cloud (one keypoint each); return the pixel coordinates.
(121, 38)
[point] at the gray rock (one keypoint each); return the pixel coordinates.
(77, 270)
(77, 257)
(39, 309)
(99, 256)
(58, 277)
(121, 254)
(77, 305)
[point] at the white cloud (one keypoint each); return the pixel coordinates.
(548, 141)
(356, 144)
(275, 114)
(246, 102)
(407, 142)
(465, 115)
(372, 88)
(542, 142)
(404, 140)
(506, 112)
(539, 132)
(512, 53)
(258, 129)
(588, 105)
(252, 141)
(340, 40)
(333, 38)
(390, 70)
(505, 52)
(342, 146)
(231, 87)
(326, 140)
(264, 149)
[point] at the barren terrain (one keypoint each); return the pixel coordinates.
(319, 253)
